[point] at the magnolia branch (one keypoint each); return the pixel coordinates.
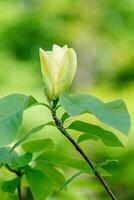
(19, 174)
(60, 127)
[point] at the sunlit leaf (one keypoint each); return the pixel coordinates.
(21, 160)
(68, 181)
(31, 132)
(56, 176)
(61, 159)
(38, 145)
(40, 184)
(113, 113)
(95, 132)
(75, 105)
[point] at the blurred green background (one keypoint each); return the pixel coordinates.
(102, 33)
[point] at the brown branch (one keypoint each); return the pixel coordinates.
(60, 127)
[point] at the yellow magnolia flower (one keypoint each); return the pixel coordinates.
(58, 69)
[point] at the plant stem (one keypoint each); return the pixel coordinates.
(19, 174)
(60, 127)
(19, 191)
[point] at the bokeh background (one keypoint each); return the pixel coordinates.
(102, 33)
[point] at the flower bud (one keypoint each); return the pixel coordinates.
(58, 69)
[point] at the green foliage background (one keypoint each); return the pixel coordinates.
(102, 33)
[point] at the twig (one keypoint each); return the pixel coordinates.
(19, 191)
(19, 174)
(59, 126)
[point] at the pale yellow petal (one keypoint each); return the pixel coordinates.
(66, 72)
(44, 62)
(58, 68)
(73, 62)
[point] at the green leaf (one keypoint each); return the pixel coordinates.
(56, 177)
(13, 159)
(95, 132)
(75, 105)
(108, 163)
(10, 186)
(113, 113)
(61, 159)
(11, 113)
(43, 104)
(21, 160)
(38, 145)
(5, 155)
(39, 183)
(68, 181)
(31, 132)
(7, 196)
(58, 158)
(64, 117)
(31, 101)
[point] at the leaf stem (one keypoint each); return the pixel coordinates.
(19, 191)
(60, 127)
(19, 174)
